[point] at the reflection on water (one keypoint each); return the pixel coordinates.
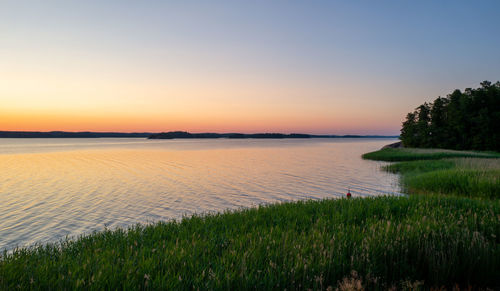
(51, 188)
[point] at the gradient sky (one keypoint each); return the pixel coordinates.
(350, 67)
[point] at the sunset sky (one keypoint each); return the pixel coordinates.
(325, 67)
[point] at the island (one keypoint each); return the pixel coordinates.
(170, 135)
(184, 134)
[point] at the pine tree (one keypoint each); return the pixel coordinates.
(461, 120)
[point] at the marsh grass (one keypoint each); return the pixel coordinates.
(424, 171)
(387, 241)
(457, 181)
(420, 166)
(471, 177)
(412, 154)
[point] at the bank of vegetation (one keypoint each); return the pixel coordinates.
(471, 177)
(444, 172)
(412, 154)
(376, 243)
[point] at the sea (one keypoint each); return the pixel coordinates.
(53, 189)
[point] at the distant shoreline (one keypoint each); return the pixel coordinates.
(173, 135)
(67, 134)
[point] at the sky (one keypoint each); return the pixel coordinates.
(321, 67)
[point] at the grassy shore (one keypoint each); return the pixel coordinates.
(424, 171)
(419, 241)
(411, 154)
(387, 241)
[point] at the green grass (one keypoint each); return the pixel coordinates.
(420, 166)
(441, 172)
(457, 181)
(412, 154)
(388, 241)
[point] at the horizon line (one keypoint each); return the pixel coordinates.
(205, 132)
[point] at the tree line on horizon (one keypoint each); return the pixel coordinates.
(468, 120)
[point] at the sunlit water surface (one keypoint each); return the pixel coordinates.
(53, 188)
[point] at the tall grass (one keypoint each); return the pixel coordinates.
(427, 171)
(388, 241)
(471, 177)
(462, 182)
(412, 154)
(420, 166)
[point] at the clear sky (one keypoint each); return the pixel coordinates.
(338, 67)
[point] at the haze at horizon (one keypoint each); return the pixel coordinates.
(320, 68)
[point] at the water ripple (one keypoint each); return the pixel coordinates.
(53, 189)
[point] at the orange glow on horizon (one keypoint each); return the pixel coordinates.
(245, 123)
(109, 96)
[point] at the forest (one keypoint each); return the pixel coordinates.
(468, 120)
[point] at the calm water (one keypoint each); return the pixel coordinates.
(52, 188)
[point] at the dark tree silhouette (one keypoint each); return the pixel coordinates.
(423, 125)
(438, 131)
(409, 135)
(461, 120)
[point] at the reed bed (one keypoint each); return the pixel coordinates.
(471, 177)
(470, 183)
(460, 173)
(412, 154)
(376, 243)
